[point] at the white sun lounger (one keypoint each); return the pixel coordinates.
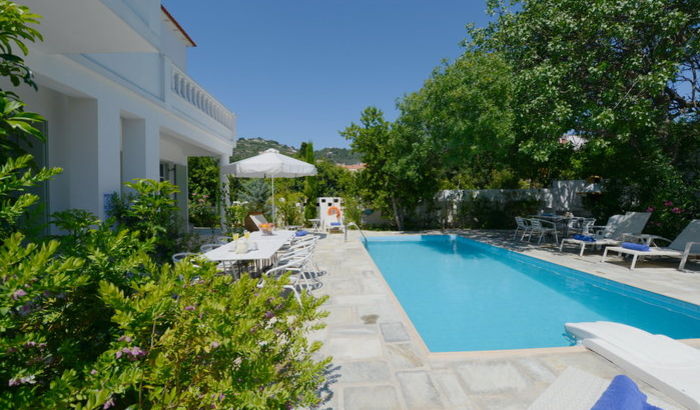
(686, 243)
(614, 232)
(666, 364)
(576, 389)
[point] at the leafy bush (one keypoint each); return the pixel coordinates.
(484, 213)
(352, 210)
(151, 210)
(287, 210)
(255, 193)
(235, 218)
(202, 213)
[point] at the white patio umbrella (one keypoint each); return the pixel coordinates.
(271, 164)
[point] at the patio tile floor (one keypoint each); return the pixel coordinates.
(380, 362)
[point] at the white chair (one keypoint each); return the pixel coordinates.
(182, 255)
(521, 225)
(209, 246)
(543, 228)
(223, 240)
(686, 243)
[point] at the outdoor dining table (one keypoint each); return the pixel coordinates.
(262, 247)
(558, 220)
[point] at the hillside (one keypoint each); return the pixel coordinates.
(248, 147)
(339, 155)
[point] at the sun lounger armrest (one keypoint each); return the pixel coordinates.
(689, 246)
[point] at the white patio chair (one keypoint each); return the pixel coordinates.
(686, 243)
(521, 225)
(209, 246)
(543, 228)
(182, 255)
(223, 240)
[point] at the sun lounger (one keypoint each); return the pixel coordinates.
(686, 243)
(576, 389)
(666, 364)
(614, 232)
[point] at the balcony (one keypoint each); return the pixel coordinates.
(188, 90)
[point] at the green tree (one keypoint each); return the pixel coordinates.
(465, 111)
(624, 75)
(400, 167)
(311, 184)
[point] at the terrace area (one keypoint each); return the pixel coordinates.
(380, 361)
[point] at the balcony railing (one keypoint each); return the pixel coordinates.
(191, 92)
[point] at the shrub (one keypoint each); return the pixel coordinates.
(235, 218)
(201, 212)
(484, 213)
(287, 210)
(151, 210)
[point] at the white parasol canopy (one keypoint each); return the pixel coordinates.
(271, 164)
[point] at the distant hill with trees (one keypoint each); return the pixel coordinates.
(248, 147)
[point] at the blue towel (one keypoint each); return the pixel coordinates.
(635, 246)
(301, 233)
(335, 223)
(623, 393)
(584, 238)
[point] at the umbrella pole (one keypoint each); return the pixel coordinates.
(274, 213)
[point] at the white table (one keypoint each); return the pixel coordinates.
(267, 245)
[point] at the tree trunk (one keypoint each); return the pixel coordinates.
(397, 217)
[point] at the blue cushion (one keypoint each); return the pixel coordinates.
(635, 246)
(584, 238)
(623, 393)
(335, 223)
(301, 233)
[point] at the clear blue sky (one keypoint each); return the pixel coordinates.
(303, 70)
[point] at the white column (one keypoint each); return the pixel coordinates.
(140, 149)
(108, 148)
(81, 154)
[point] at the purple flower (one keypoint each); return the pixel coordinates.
(668, 203)
(676, 210)
(124, 339)
(18, 294)
(22, 380)
(269, 315)
(109, 403)
(215, 344)
(651, 209)
(93, 372)
(30, 344)
(189, 307)
(26, 309)
(133, 353)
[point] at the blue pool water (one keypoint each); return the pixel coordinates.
(465, 295)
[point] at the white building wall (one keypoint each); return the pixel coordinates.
(171, 45)
(112, 117)
(143, 70)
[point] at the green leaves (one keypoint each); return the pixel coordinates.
(16, 29)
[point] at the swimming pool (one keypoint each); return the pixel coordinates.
(464, 295)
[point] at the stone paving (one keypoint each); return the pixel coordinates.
(380, 362)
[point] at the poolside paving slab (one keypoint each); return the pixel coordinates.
(371, 398)
(394, 332)
(419, 391)
(380, 361)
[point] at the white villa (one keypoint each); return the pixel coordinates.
(118, 103)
